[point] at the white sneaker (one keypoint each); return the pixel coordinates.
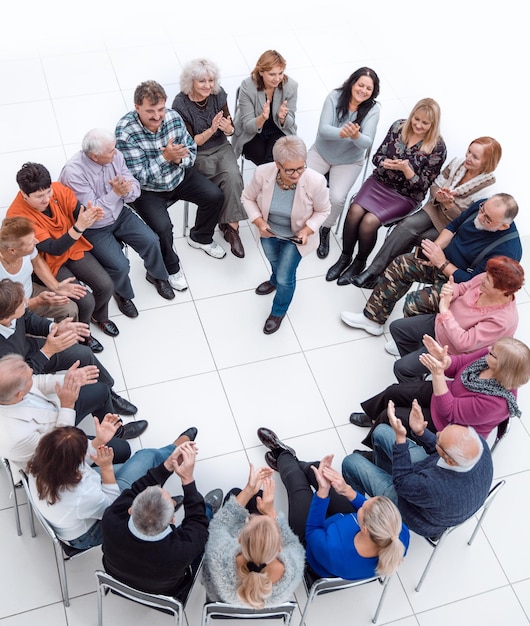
(213, 248)
(358, 320)
(178, 281)
(391, 348)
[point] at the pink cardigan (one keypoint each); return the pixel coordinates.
(467, 327)
(468, 408)
(311, 203)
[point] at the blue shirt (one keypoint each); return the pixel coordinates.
(330, 549)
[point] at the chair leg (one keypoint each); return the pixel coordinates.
(310, 597)
(381, 600)
(61, 568)
(429, 562)
(185, 218)
(99, 594)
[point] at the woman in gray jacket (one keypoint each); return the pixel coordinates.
(252, 557)
(265, 110)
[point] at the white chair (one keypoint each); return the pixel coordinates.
(222, 610)
(436, 543)
(14, 488)
(63, 552)
(316, 586)
(167, 604)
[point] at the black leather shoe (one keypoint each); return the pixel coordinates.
(126, 306)
(93, 344)
(272, 324)
(271, 461)
(265, 288)
(232, 236)
(134, 429)
(361, 419)
(368, 454)
(346, 278)
(191, 433)
(108, 327)
(179, 501)
(365, 279)
(214, 499)
(271, 440)
(162, 286)
(121, 405)
(336, 270)
(323, 248)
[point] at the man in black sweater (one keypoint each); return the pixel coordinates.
(142, 547)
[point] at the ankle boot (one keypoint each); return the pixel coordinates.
(336, 270)
(232, 236)
(355, 268)
(323, 248)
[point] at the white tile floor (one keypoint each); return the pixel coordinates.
(202, 359)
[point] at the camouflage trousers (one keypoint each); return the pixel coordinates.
(397, 279)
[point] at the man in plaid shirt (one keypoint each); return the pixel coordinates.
(160, 154)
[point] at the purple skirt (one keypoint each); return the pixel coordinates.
(385, 203)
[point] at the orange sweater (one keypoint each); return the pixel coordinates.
(62, 206)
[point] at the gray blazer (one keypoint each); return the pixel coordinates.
(250, 104)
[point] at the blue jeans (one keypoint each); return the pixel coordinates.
(107, 242)
(284, 259)
(375, 479)
(139, 464)
(92, 537)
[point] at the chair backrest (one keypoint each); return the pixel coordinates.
(502, 431)
(213, 610)
(316, 586)
(437, 541)
(165, 603)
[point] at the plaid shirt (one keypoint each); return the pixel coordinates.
(142, 150)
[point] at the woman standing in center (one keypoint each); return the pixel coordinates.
(202, 104)
(346, 130)
(266, 109)
(406, 164)
(287, 203)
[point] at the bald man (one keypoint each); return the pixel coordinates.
(32, 405)
(438, 482)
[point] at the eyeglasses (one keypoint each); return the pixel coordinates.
(443, 449)
(291, 170)
(487, 218)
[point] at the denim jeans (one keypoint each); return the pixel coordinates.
(139, 464)
(284, 259)
(92, 537)
(133, 231)
(375, 479)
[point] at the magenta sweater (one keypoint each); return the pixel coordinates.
(460, 406)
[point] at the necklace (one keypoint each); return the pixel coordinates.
(282, 185)
(202, 103)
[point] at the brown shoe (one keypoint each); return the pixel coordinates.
(272, 324)
(265, 288)
(232, 236)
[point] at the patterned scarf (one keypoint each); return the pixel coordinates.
(488, 386)
(457, 171)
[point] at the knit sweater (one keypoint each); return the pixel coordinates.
(432, 498)
(220, 576)
(153, 566)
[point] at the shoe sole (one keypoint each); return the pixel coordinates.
(198, 246)
(371, 331)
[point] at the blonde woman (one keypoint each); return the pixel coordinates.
(344, 533)
(252, 557)
(406, 165)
